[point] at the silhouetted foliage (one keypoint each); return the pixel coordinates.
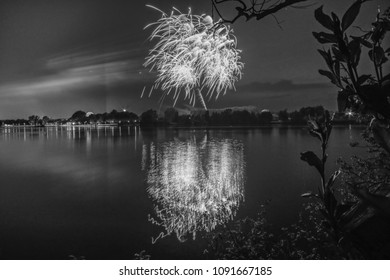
(171, 115)
(254, 9)
(79, 116)
(283, 115)
(364, 93)
(354, 218)
(149, 118)
(122, 116)
(45, 120)
(359, 216)
(307, 239)
(34, 120)
(302, 115)
(265, 117)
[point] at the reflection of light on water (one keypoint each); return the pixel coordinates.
(195, 185)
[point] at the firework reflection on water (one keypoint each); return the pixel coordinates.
(195, 185)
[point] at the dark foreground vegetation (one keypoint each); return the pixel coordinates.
(348, 213)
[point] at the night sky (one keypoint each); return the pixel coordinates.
(59, 56)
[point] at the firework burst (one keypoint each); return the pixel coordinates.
(193, 55)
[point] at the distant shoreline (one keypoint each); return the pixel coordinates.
(63, 125)
(271, 125)
(247, 126)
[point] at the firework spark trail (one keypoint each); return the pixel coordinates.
(192, 54)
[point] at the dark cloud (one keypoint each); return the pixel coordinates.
(281, 86)
(279, 95)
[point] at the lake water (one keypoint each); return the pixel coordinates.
(109, 193)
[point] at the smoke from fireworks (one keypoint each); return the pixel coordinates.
(193, 54)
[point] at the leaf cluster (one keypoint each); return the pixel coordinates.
(367, 185)
(331, 208)
(366, 93)
(307, 238)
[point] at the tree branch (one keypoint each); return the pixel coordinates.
(257, 9)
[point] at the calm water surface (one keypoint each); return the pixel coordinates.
(108, 193)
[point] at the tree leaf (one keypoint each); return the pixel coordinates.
(313, 125)
(333, 178)
(316, 134)
(337, 54)
(330, 201)
(335, 17)
(313, 160)
(327, 57)
(363, 78)
(363, 41)
(325, 38)
(314, 129)
(337, 70)
(341, 209)
(379, 31)
(355, 50)
(382, 136)
(336, 23)
(324, 213)
(326, 73)
(356, 215)
(309, 194)
(342, 100)
(351, 14)
(371, 55)
(385, 78)
(330, 75)
(377, 54)
(323, 18)
(379, 202)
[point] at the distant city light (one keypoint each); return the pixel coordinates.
(193, 54)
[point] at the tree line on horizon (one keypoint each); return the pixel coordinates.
(78, 117)
(171, 117)
(239, 117)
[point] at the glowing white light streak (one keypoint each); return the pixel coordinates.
(193, 53)
(195, 185)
